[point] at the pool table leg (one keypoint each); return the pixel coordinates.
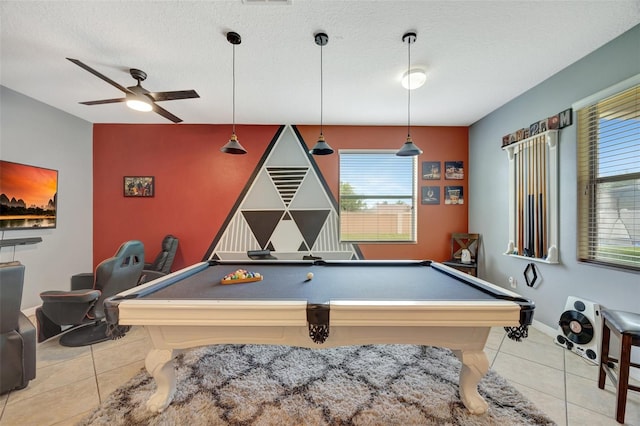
(159, 364)
(474, 366)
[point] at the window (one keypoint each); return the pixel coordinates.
(377, 196)
(609, 179)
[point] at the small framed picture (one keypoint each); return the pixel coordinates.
(431, 170)
(453, 170)
(139, 186)
(430, 195)
(453, 195)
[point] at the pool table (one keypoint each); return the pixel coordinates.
(345, 303)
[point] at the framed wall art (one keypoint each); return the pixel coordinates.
(139, 186)
(28, 196)
(453, 195)
(431, 170)
(430, 195)
(454, 170)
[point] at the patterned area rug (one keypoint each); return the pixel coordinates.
(282, 385)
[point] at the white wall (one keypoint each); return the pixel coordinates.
(488, 192)
(34, 133)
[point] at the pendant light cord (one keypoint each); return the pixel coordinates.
(321, 90)
(409, 88)
(233, 102)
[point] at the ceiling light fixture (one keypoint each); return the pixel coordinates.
(417, 77)
(136, 97)
(409, 149)
(321, 147)
(138, 102)
(233, 146)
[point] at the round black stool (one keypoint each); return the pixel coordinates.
(626, 326)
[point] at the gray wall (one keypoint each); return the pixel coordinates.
(488, 191)
(34, 133)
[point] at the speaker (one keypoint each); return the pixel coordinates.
(580, 327)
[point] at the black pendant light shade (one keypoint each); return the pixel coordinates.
(409, 149)
(321, 147)
(233, 146)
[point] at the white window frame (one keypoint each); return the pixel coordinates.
(594, 258)
(413, 226)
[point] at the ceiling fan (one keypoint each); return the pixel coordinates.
(137, 97)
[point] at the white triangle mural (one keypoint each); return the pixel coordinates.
(285, 209)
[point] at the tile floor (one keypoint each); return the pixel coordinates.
(70, 382)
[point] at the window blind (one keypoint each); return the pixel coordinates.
(377, 196)
(608, 163)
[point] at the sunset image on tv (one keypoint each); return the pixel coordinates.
(28, 196)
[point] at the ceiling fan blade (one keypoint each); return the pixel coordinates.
(166, 114)
(99, 75)
(177, 94)
(104, 101)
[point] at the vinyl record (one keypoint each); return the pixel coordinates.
(576, 327)
(580, 322)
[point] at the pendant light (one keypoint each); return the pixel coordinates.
(321, 147)
(409, 149)
(233, 146)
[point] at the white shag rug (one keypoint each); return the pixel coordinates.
(283, 385)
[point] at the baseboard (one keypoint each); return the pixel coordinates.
(30, 312)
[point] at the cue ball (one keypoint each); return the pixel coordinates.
(309, 276)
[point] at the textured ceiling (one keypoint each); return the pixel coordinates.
(479, 55)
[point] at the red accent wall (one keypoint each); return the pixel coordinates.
(435, 222)
(197, 185)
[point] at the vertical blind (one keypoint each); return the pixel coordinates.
(609, 180)
(377, 196)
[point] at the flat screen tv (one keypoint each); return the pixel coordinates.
(28, 196)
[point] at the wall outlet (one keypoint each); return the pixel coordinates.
(512, 282)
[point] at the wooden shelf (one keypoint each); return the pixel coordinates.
(20, 241)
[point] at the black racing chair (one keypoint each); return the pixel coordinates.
(164, 260)
(17, 333)
(82, 307)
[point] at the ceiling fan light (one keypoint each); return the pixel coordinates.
(138, 103)
(233, 146)
(321, 147)
(417, 77)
